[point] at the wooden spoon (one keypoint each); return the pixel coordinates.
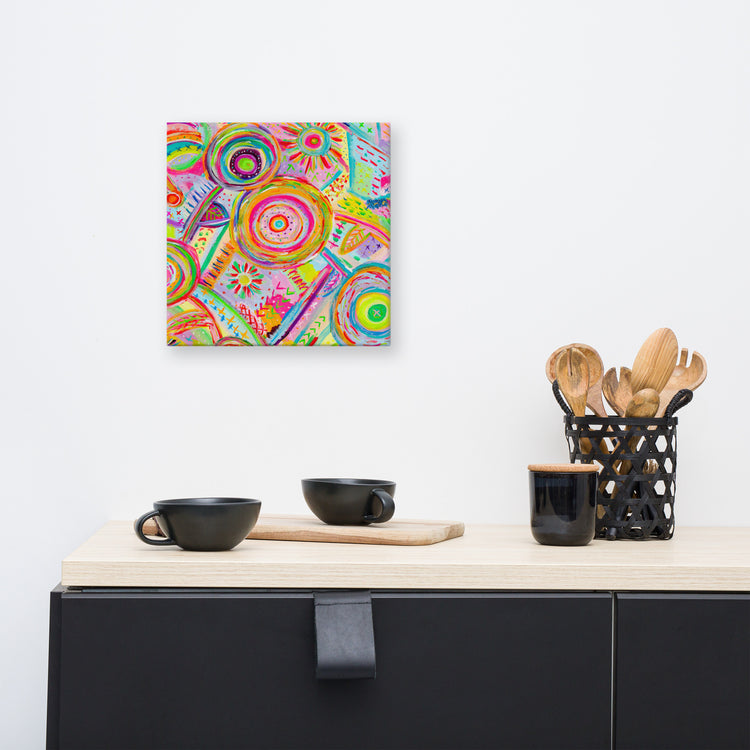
(684, 375)
(596, 369)
(618, 393)
(643, 405)
(655, 361)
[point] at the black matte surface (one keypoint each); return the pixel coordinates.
(202, 523)
(348, 502)
(344, 637)
(683, 672)
(184, 671)
(53, 672)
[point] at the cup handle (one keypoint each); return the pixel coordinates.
(138, 527)
(388, 509)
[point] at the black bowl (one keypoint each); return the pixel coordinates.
(202, 523)
(348, 502)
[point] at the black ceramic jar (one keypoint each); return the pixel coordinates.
(563, 503)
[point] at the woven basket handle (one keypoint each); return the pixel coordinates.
(680, 399)
(560, 399)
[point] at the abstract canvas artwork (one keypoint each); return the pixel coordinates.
(278, 234)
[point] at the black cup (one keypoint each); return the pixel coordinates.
(563, 503)
(346, 502)
(202, 523)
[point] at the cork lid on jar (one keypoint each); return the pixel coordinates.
(565, 468)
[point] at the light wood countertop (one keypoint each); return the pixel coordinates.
(486, 557)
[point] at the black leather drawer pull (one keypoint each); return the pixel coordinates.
(344, 635)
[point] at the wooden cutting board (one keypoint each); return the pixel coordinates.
(310, 529)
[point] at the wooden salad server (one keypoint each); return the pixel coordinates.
(684, 375)
(572, 374)
(618, 393)
(596, 370)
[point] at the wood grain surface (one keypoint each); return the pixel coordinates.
(655, 361)
(310, 529)
(485, 557)
(564, 468)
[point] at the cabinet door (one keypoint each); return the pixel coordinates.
(683, 672)
(196, 670)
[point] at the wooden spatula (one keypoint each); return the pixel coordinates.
(655, 361)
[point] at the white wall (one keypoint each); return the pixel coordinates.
(572, 171)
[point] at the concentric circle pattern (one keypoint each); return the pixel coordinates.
(183, 269)
(243, 157)
(314, 141)
(283, 224)
(362, 311)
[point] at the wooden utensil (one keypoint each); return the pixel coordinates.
(655, 361)
(596, 369)
(572, 373)
(684, 375)
(617, 392)
(643, 405)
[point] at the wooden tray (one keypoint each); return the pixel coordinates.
(310, 529)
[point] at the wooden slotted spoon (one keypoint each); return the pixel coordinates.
(617, 392)
(684, 375)
(596, 369)
(572, 374)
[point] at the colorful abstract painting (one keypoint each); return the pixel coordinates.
(278, 234)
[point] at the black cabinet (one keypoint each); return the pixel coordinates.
(182, 669)
(682, 672)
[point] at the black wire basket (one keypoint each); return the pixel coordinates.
(638, 459)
